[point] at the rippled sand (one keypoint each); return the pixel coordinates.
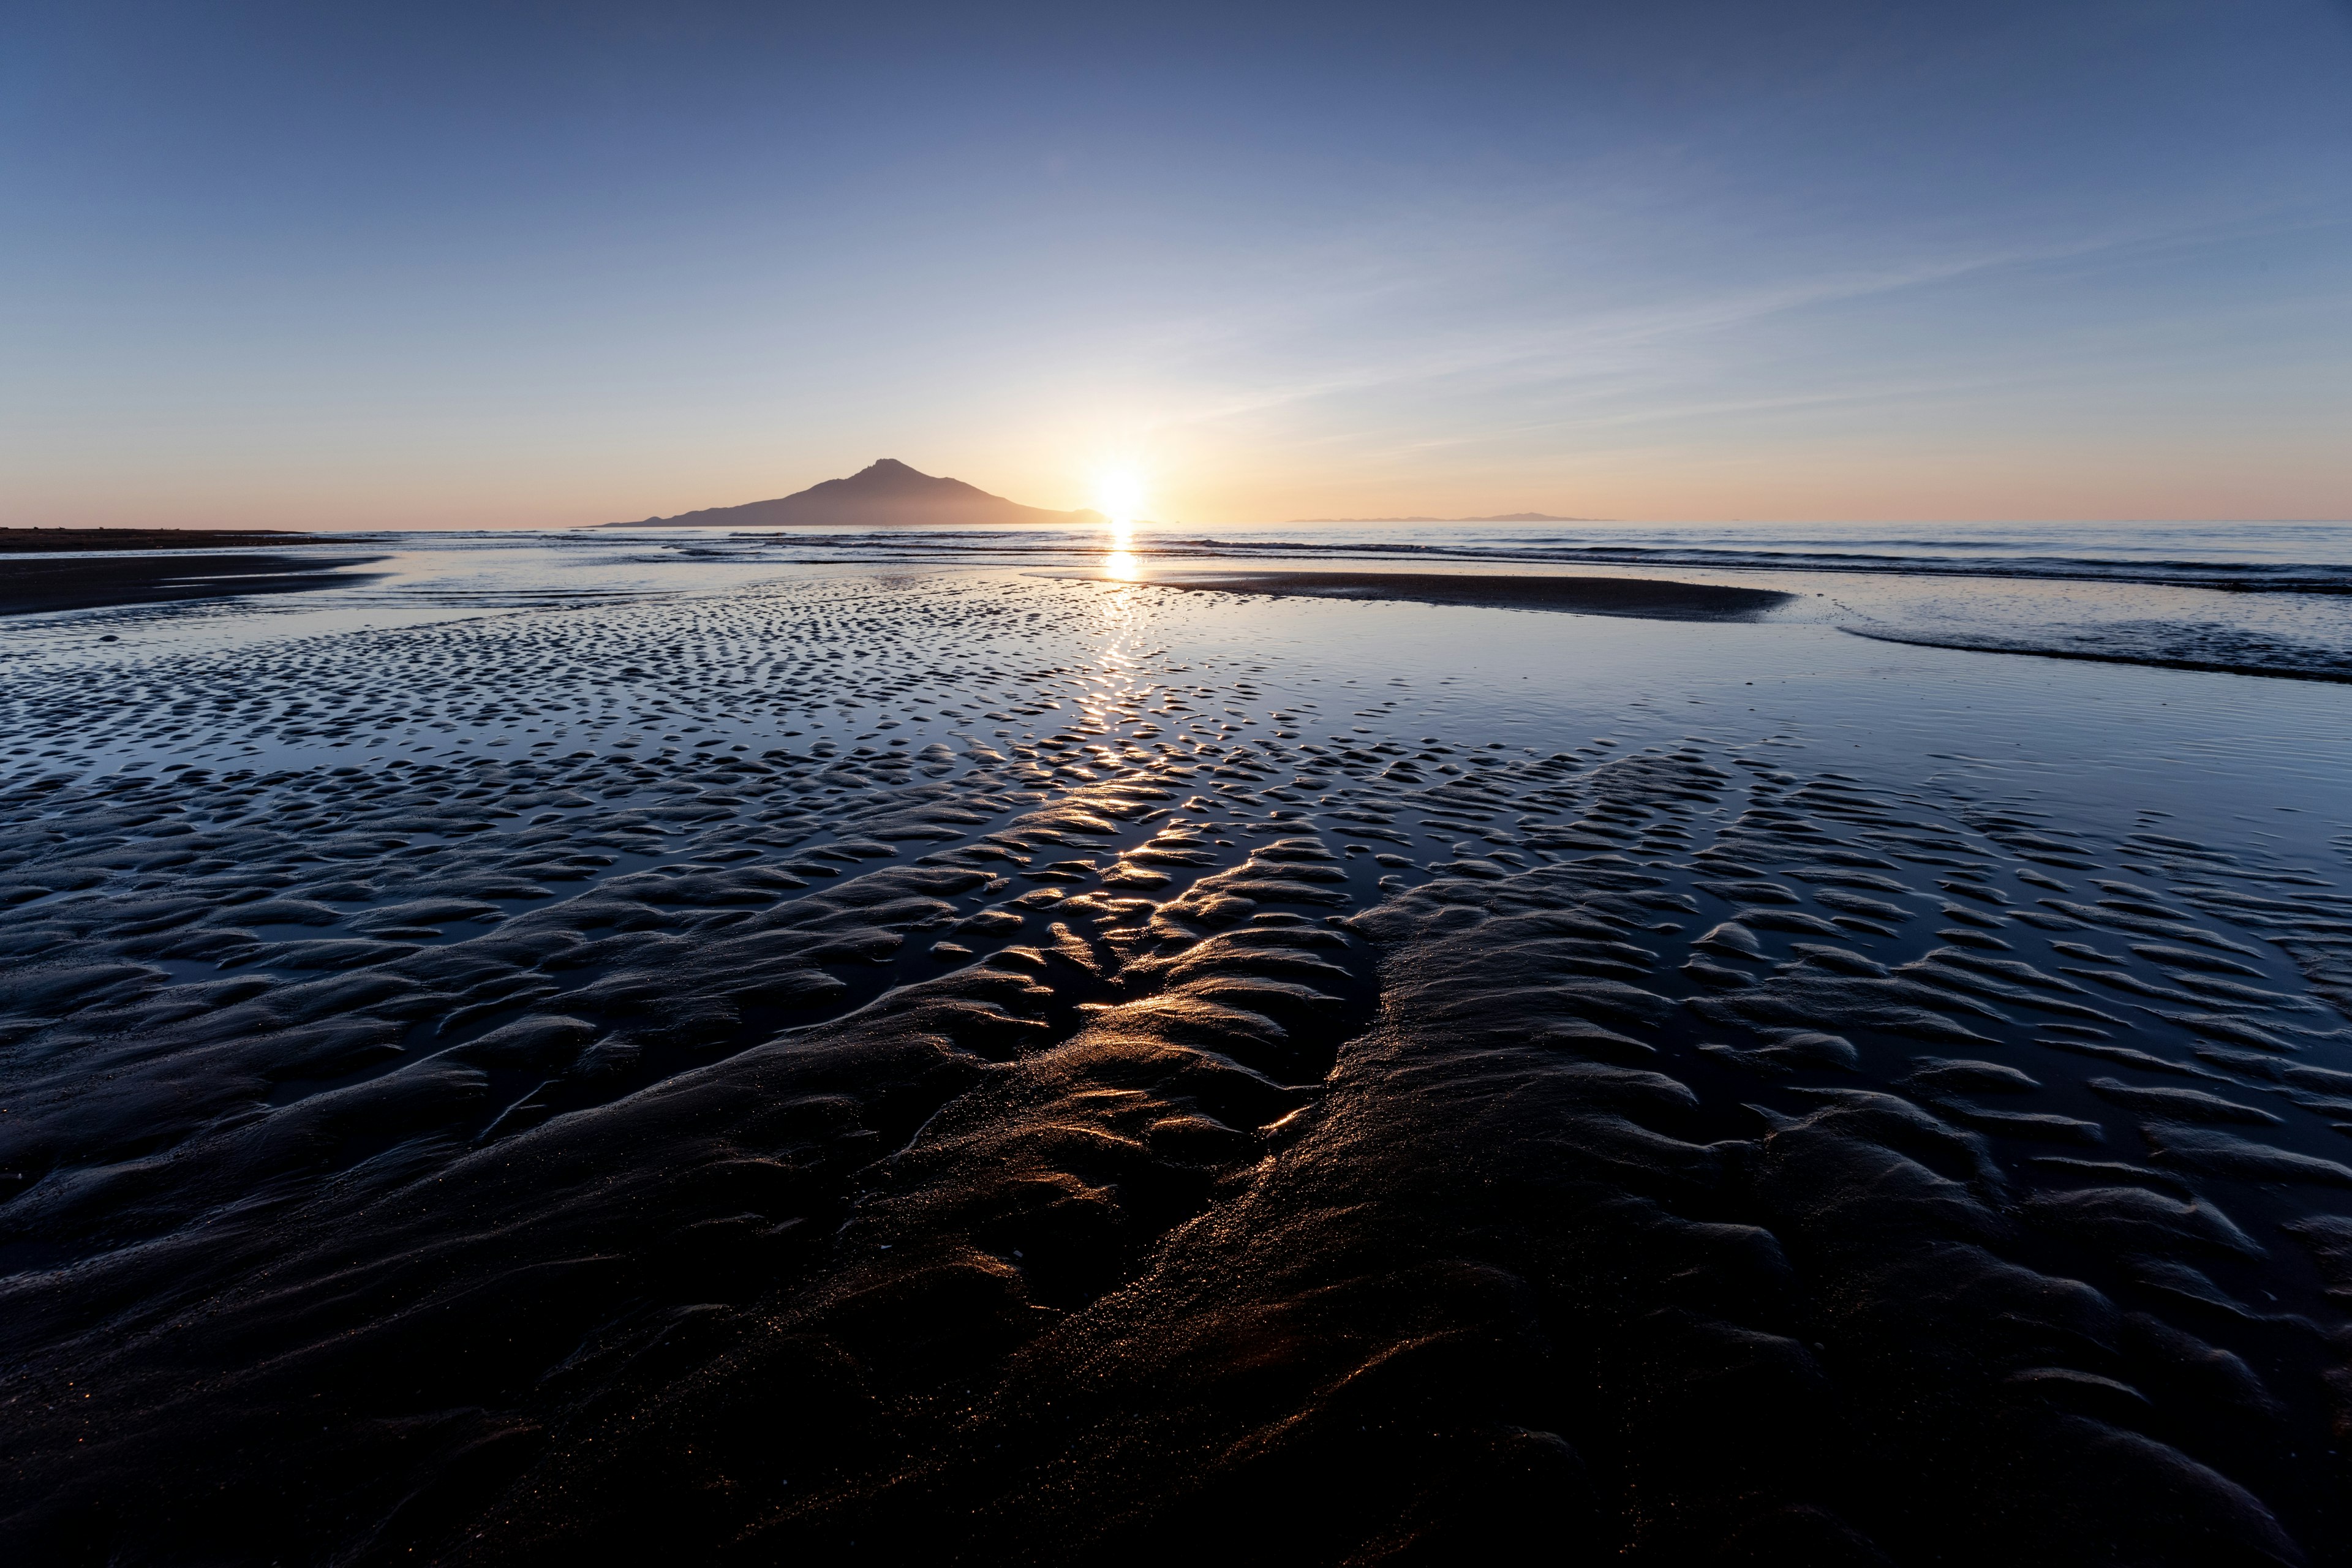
(1031, 1071)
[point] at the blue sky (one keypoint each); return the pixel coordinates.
(476, 265)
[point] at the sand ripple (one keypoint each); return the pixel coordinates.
(1208, 1109)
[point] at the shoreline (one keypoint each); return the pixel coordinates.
(2145, 660)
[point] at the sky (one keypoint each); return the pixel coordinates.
(492, 264)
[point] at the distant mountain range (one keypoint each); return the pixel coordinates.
(1505, 517)
(886, 494)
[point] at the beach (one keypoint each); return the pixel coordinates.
(831, 1049)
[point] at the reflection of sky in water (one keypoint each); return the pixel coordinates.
(2085, 739)
(2075, 577)
(2091, 738)
(425, 577)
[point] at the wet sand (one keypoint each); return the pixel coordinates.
(81, 583)
(2238, 655)
(1650, 598)
(515, 1090)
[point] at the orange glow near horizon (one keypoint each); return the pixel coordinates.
(1202, 483)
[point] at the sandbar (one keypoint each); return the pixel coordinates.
(1645, 597)
(82, 582)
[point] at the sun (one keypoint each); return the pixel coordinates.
(1118, 494)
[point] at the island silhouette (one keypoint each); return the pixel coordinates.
(884, 494)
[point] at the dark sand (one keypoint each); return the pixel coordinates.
(1649, 598)
(80, 583)
(37, 540)
(1206, 1129)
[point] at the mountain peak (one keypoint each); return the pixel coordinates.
(888, 476)
(885, 493)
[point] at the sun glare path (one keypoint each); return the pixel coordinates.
(1119, 497)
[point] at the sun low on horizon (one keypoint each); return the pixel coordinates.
(1119, 492)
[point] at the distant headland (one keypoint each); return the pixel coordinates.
(885, 494)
